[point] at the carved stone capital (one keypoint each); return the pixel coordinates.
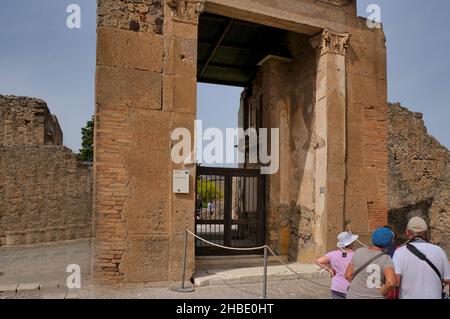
(331, 42)
(187, 10)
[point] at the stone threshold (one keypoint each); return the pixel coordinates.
(252, 275)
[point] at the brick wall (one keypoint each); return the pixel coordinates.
(367, 170)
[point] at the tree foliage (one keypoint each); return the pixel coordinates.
(209, 190)
(87, 142)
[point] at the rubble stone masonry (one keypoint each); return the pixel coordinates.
(45, 192)
(419, 175)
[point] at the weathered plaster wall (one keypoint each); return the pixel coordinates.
(45, 192)
(286, 100)
(419, 168)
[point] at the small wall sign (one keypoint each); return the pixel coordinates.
(181, 181)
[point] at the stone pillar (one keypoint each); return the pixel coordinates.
(330, 135)
(146, 87)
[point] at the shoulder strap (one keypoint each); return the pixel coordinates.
(421, 256)
(357, 272)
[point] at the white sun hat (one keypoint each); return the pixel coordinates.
(346, 239)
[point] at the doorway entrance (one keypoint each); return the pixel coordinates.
(230, 210)
(231, 202)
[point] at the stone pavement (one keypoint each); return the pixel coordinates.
(39, 271)
(44, 263)
(286, 289)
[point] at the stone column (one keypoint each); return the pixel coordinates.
(330, 135)
(146, 87)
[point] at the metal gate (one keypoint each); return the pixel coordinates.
(230, 209)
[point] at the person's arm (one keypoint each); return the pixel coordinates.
(324, 263)
(398, 280)
(446, 268)
(397, 267)
(349, 273)
(391, 280)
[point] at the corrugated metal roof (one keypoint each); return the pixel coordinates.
(229, 49)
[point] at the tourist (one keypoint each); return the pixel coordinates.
(393, 246)
(198, 206)
(371, 271)
(421, 267)
(211, 207)
(336, 263)
(393, 294)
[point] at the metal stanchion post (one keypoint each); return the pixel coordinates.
(265, 274)
(183, 288)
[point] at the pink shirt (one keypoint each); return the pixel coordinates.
(339, 264)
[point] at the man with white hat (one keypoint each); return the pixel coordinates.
(421, 267)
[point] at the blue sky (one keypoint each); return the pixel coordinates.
(41, 57)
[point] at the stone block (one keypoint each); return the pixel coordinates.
(177, 257)
(151, 131)
(9, 288)
(367, 61)
(180, 94)
(356, 213)
(147, 259)
(185, 30)
(335, 218)
(128, 87)
(355, 142)
(52, 285)
(127, 49)
(183, 212)
(28, 286)
(55, 295)
(366, 90)
(355, 184)
(336, 151)
(284, 240)
(335, 185)
(148, 212)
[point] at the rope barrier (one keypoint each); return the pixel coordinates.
(257, 248)
(288, 267)
(224, 247)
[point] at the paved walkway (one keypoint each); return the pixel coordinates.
(39, 271)
(44, 263)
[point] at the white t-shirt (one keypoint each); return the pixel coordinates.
(419, 280)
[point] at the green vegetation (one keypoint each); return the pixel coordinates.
(209, 190)
(87, 143)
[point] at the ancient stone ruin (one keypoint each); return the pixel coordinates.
(45, 192)
(311, 68)
(419, 175)
(325, 88)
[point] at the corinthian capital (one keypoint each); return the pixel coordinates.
(187, 10)
(331, 42)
